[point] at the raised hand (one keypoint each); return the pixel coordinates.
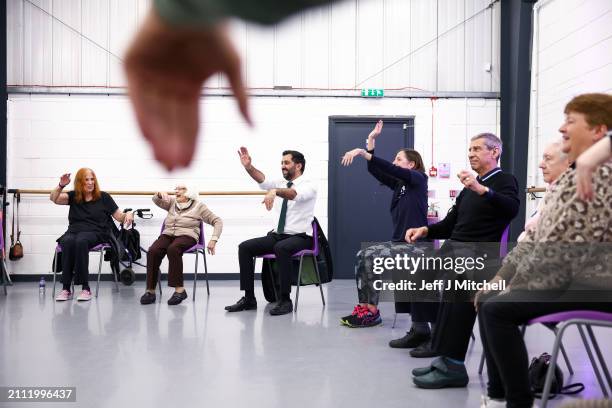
(377, 130)
(163, 195)
(348, 157)
(64, 179)
(245, 158)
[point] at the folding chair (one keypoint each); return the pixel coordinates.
(198, 248)
(314, 252)
(100, 248)
(584, 320)
(523, 329)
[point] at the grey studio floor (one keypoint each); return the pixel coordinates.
(118, 353)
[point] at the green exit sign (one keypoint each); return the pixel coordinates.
(372, 93)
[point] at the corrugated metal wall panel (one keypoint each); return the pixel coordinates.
(67, 43)
(288, 47)
(495, 48)
(342, 45)
(397, 44)
(423, 61)
(124, 19)
(96, 25)
(81, 43)
(14, 42)
(370, 36)
(260, 57)
(37, 42)
(451, 45)
(478, 45)
(316, 48)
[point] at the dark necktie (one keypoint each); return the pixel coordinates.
(283, 214)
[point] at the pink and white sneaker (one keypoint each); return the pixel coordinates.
(84, 296)
(63, 296)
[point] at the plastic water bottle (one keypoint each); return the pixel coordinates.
(41, 285)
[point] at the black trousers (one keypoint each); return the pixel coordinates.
(283, 246)
(456, 316)
(75, 255)
(420, 312)
(499, 319)
(454, 325)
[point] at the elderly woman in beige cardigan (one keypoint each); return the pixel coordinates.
(181, 232)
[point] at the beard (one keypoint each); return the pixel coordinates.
(288, 175)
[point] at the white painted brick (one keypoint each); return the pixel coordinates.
(49, 135)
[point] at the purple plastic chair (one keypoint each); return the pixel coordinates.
(503, 243)
(314, 252)
(98, 248)
(198, 248)
(580, 318)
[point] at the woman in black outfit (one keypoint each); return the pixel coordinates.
(88, 222)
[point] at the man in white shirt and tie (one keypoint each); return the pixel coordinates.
(292, 228)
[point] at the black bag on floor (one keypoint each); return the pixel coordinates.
(309, 275)
(537, 376)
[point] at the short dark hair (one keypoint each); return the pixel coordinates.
(297, 158)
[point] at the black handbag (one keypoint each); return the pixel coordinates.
(537, 376)
(16, 249)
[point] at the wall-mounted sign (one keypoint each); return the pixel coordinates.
(444, 170)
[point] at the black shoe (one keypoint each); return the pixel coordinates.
(425, 350)
(412, 339)
(147, 298)
(282, 307)
(442, 374)
(177, 298)
(242, 304)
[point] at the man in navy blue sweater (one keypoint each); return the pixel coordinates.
(482, 211)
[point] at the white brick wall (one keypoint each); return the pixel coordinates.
(49, 135)
(571, 56)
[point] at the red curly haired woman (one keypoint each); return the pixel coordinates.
(88, 218)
